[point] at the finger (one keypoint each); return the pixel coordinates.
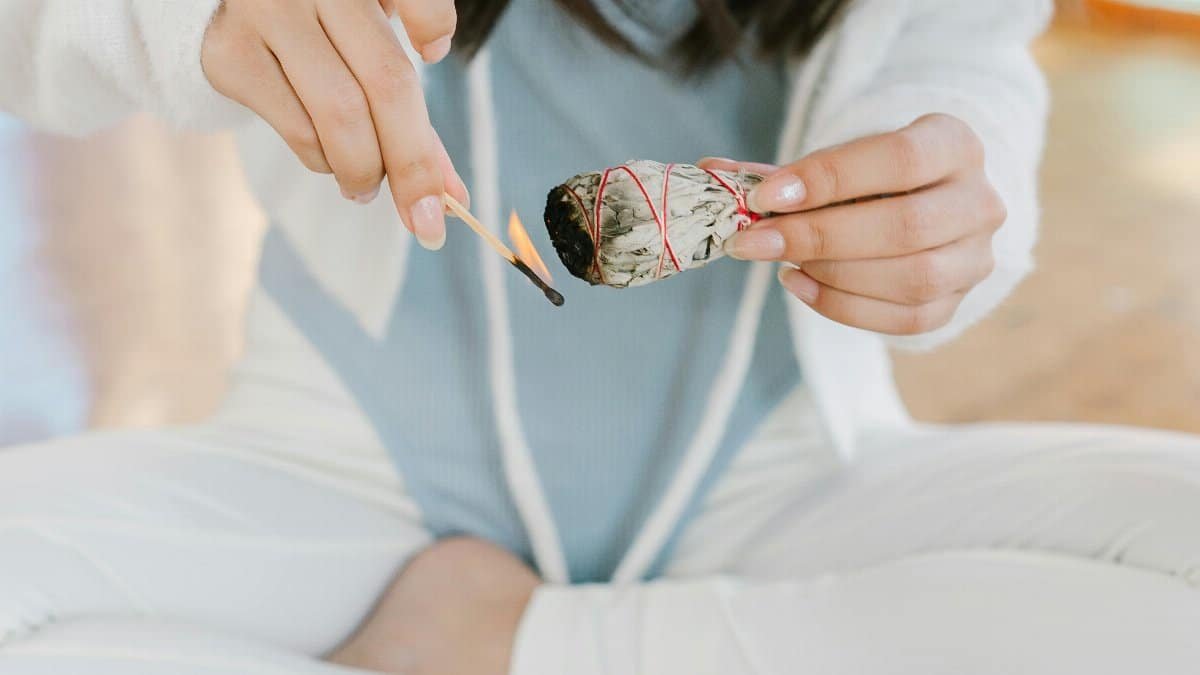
(869, 313)
(922, 154)
(334, 100)
(912, 280)
(881, 228)
(723, 164)
(410, 149)
(454, 182)
(258, 82)
(430, 25)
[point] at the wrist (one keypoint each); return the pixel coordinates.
(173, 37)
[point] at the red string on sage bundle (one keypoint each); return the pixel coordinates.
(745, 217)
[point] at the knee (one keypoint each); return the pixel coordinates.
(26, 599)
(44, 496)
(1132, 497)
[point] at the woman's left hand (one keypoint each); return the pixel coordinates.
(900, 260)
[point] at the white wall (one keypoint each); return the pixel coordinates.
(42, 384)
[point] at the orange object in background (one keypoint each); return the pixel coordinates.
(1165, 16)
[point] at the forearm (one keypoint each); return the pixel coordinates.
(73, 67)
(972, 61)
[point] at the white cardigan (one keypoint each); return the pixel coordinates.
(73, 67)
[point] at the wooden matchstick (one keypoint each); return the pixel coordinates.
(464, 215)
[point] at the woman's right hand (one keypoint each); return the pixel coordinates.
(331, 77)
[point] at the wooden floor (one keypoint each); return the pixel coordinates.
(155, 269)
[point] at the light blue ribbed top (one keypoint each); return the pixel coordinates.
(610, 387)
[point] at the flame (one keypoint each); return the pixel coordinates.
(525, 250)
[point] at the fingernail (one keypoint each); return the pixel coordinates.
(429, 222)
(780, 192)
(466, 193)
(799, 284)
(715, 160)
(437, 50)
(465, 201)
(754, 244)
(364, 198)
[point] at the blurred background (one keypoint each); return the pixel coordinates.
(125, 258)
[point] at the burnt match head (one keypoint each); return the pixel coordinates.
(568, 229)
(552, 295)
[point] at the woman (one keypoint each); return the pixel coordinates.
(717, 464)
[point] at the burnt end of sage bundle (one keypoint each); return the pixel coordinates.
(644, 221)
(568, 230)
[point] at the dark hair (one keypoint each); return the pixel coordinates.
(779, 27)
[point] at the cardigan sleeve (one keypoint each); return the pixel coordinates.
(968, 59)
(73, 67)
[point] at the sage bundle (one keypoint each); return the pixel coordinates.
(644, 221)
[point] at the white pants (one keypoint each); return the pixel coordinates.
(996, 549)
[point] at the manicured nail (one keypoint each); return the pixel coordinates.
(437, 50)
(429, 222)
(799, 284)
(780, 192)
(466, 202)
(756, 244)
(364, 198)
(463, 187)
